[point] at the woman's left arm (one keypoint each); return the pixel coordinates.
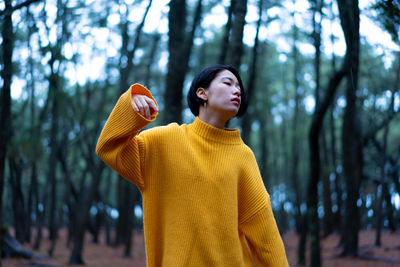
(263, 238)
(256, 219)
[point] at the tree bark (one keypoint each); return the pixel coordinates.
(380, 188)
(6, 75)
(225, 39)
(326, 195)
(235, 50)
(179, 48)
(154, 48)
(315, 129)
(15, 168)
(251, 84)
(294, 138)
(351, 147)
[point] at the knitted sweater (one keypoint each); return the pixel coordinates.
(204, 203)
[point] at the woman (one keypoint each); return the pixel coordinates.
(204, 202)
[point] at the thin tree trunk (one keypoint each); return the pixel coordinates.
(53, 165)
(294, 138)
(235, 50)
(15, 168)
(6, 75)
(225, 39)
(338, 190)
(315, 166)
(389, 208)
(153, 50)
(128, 52)
(251, 84)
(328, 219)
(382, 186)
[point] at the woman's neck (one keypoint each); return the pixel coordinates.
(213, 119)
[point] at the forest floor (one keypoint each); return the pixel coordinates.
(100, 255)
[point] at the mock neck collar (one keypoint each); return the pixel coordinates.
(207, 131)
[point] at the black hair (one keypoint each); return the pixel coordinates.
(204, 78)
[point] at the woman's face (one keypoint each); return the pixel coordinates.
(223, 94)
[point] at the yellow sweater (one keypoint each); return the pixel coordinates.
(204, 203)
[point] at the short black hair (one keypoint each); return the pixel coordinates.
(204, 78)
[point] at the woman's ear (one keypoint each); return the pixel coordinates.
(202, 93)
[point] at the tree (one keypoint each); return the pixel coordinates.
(235, 49)
(251, 83)
(179, 48)
(127, 191)
(351, 136)
(227, 30)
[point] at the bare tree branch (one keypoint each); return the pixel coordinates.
(20, 5)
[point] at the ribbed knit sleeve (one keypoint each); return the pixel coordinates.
(264, 240)
(118, 145)
(256, 219)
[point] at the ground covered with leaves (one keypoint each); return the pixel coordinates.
(101, 255)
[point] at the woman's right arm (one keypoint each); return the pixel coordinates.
(118, 145)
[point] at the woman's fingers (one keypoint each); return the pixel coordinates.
(152, 104)
(145, 109)
(143, 105)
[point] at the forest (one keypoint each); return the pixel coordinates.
(323, 83)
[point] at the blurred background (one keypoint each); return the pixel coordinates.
(322, 77)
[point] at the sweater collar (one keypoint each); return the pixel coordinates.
(226, 136)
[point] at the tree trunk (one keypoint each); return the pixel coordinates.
(382, 186)
(83, 207)
(294, 138)
(264, 147)
(251, 84)
(179, 48)
(352, 156)
(337, 184)
(154, 48)
(15, 164)
(315, 166)
(95, 168)
(52, 172)
(225, 39)
(125, 70)
(6, 75)
(131, 192)
(235, 50)
(389, 208)
(128, 50)
(328, 219)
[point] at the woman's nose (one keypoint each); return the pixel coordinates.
(237, 92)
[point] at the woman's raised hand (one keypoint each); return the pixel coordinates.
(144, 105)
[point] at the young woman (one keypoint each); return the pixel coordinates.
(204, 202)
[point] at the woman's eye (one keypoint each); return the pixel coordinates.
(227, 83)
